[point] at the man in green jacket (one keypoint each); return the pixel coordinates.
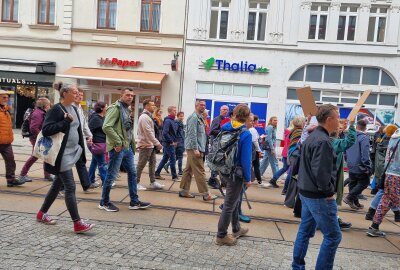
(118, 127)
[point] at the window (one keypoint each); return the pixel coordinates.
(223, 89)
(377, 25)
(204, 88)
(298, 75)
(318, 21)
(151, 11)
(314, 73)
(351, 75)
(332, 74)
(10, 11)
(347, 23)
(107, 14)
(370, 76)
(388, 100)
(241, 90)
(386, 79)
(257, 22)
(219, 19)
(46, 13)
(260, 91)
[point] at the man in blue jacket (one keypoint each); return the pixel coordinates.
(234, 185)
(359, 164)
(169, 144)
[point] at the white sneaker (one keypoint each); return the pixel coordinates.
(156, 185)
(140, 187)
(264, 185)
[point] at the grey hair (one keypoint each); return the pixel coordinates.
(63, 88)
(42, 102)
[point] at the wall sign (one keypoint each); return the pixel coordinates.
(16, 81)
(111, 62)
(242, 66)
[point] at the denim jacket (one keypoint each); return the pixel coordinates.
(270, 139)
(196, 138)
(394, 166)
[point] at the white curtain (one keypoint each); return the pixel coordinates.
(52, 11)
(145, 25)
(156, 17)
(7, 10)
(112, 15)
(101, 17)
(42, 11)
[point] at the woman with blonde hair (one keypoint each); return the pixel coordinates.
(157, 116)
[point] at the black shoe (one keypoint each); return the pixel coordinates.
(350, 203)
(397, 216)
(346, 182)
(374, 191)
(180, 173)
(15, 182)
(109, 207)
(273, 183)
(138, 205)
(362, 197)
(370, 214)
(375, 232)
(344, 225)
(283, 192)
(359, 205)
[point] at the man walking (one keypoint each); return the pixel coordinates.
(317, 185)
(359, 164)
(195, 145)
(147, 144)
(269, 152)
(6, 139)
(214, 131)
(118, 127)
(169, 144)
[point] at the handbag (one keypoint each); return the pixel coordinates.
(98, 148)
(383, 176)
(291, 193)
(48, 148)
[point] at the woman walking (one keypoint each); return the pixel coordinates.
(63, 117)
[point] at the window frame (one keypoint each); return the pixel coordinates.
(150, 2)
(258, 10)
(220, 9)
(348, 13)
(378, 15)
(107, 14)
(318, 13)
(12, 20)
(47, 13)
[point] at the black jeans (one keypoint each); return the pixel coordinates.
(357, 184)
(67, 179)
(230, 212)
(7, 153)
(82, 173)
(256, 168)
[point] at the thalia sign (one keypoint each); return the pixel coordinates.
(242, 66)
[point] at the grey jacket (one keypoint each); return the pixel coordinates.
(195, 137)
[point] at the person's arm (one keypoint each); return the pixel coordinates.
(254, 138)
(35, 124)
(341, 145)
(365, 157)
(166, 132)
(215, 128)
(112, 116)
(321, 167)
(55, 122)
(148, 127)
(268, 139)
(191, 134)
(246, 156)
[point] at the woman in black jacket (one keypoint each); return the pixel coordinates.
(99, 142)
(63, 117)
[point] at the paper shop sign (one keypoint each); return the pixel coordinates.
(242, 66)
(112, 62)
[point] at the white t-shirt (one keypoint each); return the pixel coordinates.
(255, 136)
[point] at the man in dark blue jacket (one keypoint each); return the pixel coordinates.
(360, 167)
(317, 184)
(169, 141)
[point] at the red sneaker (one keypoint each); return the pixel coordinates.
(80, 226)
(45, 218)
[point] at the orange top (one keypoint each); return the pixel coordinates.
(6, 132)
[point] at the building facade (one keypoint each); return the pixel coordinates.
(101, 45)
(259, 52)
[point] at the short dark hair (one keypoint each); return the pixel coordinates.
(99, 106)
(80, 89)
(241, 113)
(324, 111)
(146, 102)
(255, 117)
(362, 124)
(180, 113)
(126, 88)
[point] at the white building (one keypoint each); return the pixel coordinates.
(102, 45)
(260, 51)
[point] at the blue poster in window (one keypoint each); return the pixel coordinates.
(260, 109)
(344, 112)
(219, 104)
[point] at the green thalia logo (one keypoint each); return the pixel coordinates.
(242, 66)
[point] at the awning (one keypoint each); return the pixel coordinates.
(113, 75)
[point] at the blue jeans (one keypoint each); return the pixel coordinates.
(267, 159)
(377, 199)
(282, 170)
(98, 161)
(126, 158)
(321, 213)
(168, 154)
(288, 179)
(179, 157)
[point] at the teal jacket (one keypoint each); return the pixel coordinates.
(113, 127)
(340, 146)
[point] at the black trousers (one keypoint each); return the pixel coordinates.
(256, 168)
(357, 184)
(82, 173)
(67, 180)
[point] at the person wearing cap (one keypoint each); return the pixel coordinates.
(6, 138)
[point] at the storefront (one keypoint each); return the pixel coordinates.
(26, 81)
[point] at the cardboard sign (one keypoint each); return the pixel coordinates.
(357, 107)
(307, 101)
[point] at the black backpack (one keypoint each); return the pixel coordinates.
(25, 129)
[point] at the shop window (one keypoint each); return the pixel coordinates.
(219, 19)
(388, 100)
(106, 14)
(260, 91)
(9, 11)
(372, 99)
(257, 22)
(317, 95)
(386, 79)
(347, 23)
(204, 88)
(370, 76)
(151, 12)
(330, 96)
(291, 94)
(332, 74)
(223, 89)
(318, 22)
(46, 12)
(349, 97)
(351, 75)
(298, 75)
(377, 25)
(241, 90)
(314, 73)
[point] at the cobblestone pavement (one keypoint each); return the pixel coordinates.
(26, 244)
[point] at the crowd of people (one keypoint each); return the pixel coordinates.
(314, 156)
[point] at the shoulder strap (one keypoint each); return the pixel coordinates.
(391, 157)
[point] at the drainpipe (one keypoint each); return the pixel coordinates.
(183, 55)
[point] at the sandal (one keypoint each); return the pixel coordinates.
(209, 197)
(184, 194)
